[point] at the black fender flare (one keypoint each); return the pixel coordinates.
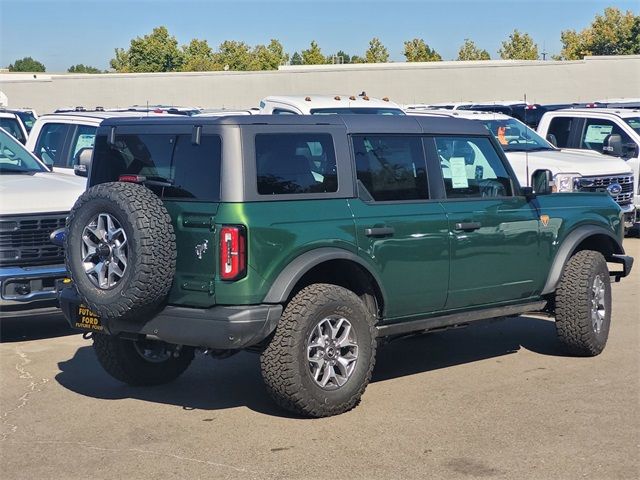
(568, 246)
(295, 270)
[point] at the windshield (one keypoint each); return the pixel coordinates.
(357, 110)
(515, 136)
(634, 122)
(12, 126)
(14, 158)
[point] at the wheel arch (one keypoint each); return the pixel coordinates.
(586, 237)
(328, 265)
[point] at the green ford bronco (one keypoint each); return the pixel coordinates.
(310, 240)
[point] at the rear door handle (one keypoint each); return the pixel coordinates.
(468, 226)
(379, 232)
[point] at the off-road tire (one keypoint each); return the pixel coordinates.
(284, 363)
(151, 250)
(573, 304)
(122, 361)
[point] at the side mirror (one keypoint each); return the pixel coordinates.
(541, 182)
(612, 145)
(82, 162)
(551, 138)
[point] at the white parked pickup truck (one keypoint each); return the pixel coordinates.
(573, 170)
(35, 202)
(614, 132)
(327, 104)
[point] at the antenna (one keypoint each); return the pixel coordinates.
(526, 151)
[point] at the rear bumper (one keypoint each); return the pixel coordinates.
(23, 288)
(220, 327)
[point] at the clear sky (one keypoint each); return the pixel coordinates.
(61, 33)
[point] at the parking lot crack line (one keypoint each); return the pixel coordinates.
(32, 387)
(137, 450)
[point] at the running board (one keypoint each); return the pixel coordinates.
(457, 319)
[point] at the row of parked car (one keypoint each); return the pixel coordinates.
(585, 148)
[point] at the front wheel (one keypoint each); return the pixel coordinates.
(583, 304)
(320, 359)
(142, 362)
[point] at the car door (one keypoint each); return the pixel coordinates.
(400, 230)
(494, 234)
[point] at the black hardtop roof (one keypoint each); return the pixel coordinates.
(354, 123)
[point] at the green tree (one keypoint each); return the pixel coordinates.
(377, 52)
(234, 55)
(417, 50)
(341, 57)
(614, 33)
(296, 59)
(519, 46)
(156, 52)
(268, 57)
(81, 68)
(358, 59)
(27, 64)
(469, 51)
(198, 57)
(313, 55)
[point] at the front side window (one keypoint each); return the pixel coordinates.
(51, 143)
(391, 168)
(596, 131)
(471, 168)
(560, 128)
(14, 158)
(12, 126)
(293, 163)
(172, 166)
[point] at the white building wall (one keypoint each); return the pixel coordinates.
(542, 81)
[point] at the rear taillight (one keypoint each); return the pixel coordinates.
(233, 252)
(132, 178)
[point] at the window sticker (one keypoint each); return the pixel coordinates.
(458, 172)
(597, 133)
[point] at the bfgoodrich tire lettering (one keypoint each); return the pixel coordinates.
(150, 252)
(285, 364)
(583, 304)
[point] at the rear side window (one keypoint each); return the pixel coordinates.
(51, 143)
(560, 127)
(391, 168)
(471, 168)
(294, 163)
(183, 170)
(596, 132)
(12, 126)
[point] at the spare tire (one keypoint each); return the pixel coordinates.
(120, 250)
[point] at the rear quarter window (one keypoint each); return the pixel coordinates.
(294, 163)
(192, 171)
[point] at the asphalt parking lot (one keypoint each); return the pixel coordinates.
(493, 401)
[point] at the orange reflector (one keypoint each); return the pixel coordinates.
(336, 97)
(352, 97)
(307, 99)
(385, 99)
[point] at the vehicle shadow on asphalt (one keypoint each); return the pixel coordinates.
(235, 382)
(22, 328)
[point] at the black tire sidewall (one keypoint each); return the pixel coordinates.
(600, 269)
(86, 214)
(356, 313)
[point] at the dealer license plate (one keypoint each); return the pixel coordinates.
(88, 320)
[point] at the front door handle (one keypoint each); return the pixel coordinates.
(379, 232)
(468, 226)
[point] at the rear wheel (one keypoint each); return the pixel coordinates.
(320, 359)
(583, 304)
(142, 362)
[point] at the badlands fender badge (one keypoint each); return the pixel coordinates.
(544, 219)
